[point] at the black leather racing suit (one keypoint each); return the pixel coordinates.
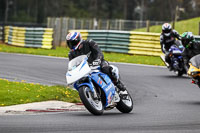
(166, 42)
(188, 53)
(91, 48)
(87, 47)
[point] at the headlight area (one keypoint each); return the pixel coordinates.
(194, 73)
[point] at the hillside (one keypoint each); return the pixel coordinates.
(181, 26)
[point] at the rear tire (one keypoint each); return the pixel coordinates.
(93, 106)
(125, 105)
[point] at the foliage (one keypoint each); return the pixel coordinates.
(12, 93)
(39, 10)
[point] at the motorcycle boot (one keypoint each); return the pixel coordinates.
(115, 78)
(121, 86)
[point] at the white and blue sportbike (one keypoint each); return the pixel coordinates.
(96, 90)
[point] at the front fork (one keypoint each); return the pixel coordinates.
(92, 89)
(90, 84)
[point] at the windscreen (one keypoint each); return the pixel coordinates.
(195, 61)
(75, 62)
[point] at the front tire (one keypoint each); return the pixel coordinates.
(198, 82)
(179, 73)
(94, 106)
(125, 105)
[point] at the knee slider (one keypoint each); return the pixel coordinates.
(115, 72)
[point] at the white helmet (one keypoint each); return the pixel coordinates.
(166, 29)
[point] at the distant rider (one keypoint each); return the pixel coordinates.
(78, 47)
(192, 48)
(167, 39)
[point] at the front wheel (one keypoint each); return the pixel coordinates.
(198, 82)
(179, 73)
(125, 105)
(92, 104)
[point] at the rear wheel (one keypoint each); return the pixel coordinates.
(93, 105)
(125, 105)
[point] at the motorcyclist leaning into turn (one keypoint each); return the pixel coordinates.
(78, 47)
(167, 39)
(191, 49)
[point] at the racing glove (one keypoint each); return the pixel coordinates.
(163, 49)
(96, 62)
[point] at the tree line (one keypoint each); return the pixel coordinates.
(36, 11)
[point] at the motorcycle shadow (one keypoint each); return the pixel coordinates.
(105, 114)
(176, 77)
(195, 103)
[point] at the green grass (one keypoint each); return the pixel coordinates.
(136, 59)
(12, 93)
(59, 51)
(181, 26)
(63, 52)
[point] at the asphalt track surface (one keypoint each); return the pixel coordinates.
(163, 102)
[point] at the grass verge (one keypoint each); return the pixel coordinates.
(12, 93)
(63, 52)
(59, 51)
(136, 59)
(181, 26)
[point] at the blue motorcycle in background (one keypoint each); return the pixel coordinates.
(96, 90)
(175, 54)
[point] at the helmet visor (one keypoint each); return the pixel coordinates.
(72, 44)
(167, 30)
(167, 34)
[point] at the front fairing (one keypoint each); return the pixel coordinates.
(175, 54)
(193, 71)
(195, 61)
(174, 50)
(105, 83)
(77, 69)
